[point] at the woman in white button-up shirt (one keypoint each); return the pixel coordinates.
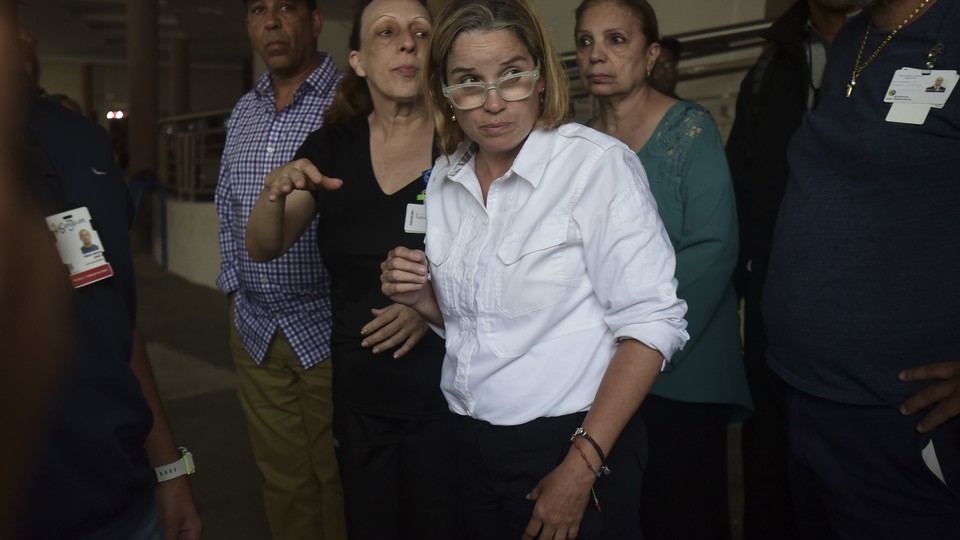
(549, 273)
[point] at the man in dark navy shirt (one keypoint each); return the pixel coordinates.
(862, 298)
(92, 475)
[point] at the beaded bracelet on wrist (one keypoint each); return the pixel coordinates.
(580, 432)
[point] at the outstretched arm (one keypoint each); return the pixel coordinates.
(284, 209)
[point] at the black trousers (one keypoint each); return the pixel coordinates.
(500, 465)
(685, 492)
(399, 476)
(768, 512)
(862, 472)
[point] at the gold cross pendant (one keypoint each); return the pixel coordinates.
(850, 87)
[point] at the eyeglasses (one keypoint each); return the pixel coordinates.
(514, 87)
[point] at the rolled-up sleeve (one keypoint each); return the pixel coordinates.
(629, 259)
(228, 280)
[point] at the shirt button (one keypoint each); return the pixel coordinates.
(270, 149)
(473, 324)
(486, 221)
(264, 279)
(460, 372)
(469, 276)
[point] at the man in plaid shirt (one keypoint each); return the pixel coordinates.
(280, 310)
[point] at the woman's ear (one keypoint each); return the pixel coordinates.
(653, 53)
(356, 64)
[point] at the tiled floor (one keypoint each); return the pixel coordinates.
(185, 327)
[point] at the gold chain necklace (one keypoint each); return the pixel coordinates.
(858, 67)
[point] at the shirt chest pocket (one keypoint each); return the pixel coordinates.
(532, 276)
(438, 249)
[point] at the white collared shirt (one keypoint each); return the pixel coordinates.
(537, 286)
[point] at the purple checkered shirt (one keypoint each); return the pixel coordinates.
(291, 293)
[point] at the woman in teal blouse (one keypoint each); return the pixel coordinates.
(704, 388)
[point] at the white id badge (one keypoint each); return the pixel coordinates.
(908, 113)
(79, 246)
(913, 92)
(921, 87)
(415, 220)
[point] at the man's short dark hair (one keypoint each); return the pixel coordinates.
(671, 45)
(312, 4)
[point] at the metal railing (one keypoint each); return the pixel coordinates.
(190, 150)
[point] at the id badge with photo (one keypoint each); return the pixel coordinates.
(913, 92)
(79, 245)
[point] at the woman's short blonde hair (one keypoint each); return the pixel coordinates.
(517, 16)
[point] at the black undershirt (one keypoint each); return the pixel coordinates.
(358, 225)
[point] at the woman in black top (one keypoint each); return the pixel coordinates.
(391, 423)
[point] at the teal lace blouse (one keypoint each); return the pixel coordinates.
(689, 177)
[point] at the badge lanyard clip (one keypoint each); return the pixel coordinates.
(932, 55)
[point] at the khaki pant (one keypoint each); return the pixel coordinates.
(289, 414)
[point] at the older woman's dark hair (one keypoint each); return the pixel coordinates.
(353, 96)
(671, 44)
(641, 9)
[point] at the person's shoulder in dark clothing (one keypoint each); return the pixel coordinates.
(332, 134)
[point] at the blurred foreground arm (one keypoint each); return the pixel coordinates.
(178, 514)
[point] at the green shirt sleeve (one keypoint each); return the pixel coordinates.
(690, 179)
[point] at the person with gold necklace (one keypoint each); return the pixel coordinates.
(862, 298)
